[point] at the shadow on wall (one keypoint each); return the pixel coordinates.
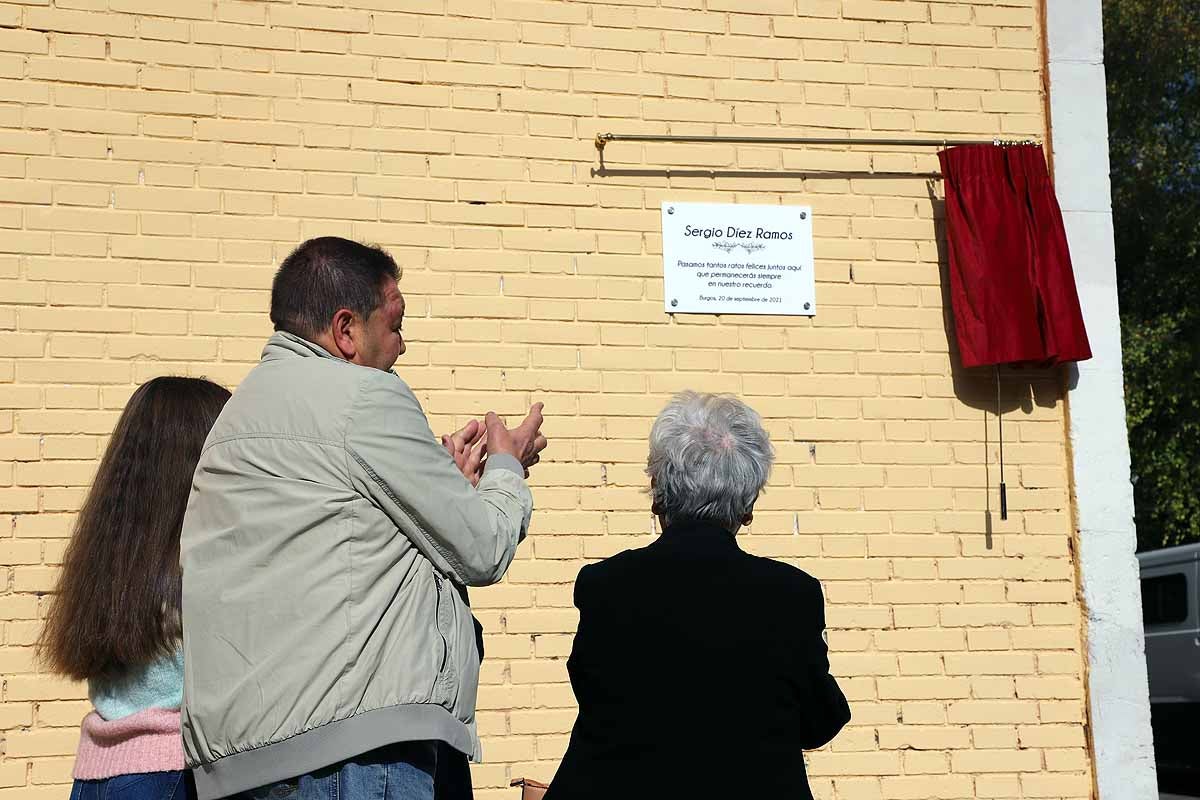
(992, 391)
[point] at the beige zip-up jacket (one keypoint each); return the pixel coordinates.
(326, 535)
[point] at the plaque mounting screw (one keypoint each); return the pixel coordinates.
(807, 306)
(803, 215)
(670, 209)
(674, 303)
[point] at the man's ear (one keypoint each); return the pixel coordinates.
(343, 333)
(746, 520)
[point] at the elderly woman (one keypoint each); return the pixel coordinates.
(700, 670)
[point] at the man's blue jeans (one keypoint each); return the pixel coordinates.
(403, 771)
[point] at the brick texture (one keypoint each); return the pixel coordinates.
(158, 159)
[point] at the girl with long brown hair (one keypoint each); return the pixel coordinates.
(115, 618)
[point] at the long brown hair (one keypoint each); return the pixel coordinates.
(118, 597)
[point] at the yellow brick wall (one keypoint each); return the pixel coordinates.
(157, 159)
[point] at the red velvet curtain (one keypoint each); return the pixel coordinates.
(1012, 288)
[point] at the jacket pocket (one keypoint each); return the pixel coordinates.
(443, 621)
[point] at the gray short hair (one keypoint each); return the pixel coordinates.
(709, 459)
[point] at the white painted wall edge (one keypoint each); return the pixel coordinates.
(1118, 694)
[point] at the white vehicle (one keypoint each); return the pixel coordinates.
(1171, 618)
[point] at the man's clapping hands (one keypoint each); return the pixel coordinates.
(470, 445)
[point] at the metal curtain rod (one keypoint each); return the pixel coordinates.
(604, 138)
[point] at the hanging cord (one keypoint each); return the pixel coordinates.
(1000, 424)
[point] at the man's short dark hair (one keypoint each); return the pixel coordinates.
(324, 275)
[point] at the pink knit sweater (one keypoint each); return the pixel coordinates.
(148, 741)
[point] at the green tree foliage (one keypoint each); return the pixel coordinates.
(1152, 58)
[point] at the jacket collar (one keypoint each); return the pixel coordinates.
(287, 345)
(283, 345)
(698, 533)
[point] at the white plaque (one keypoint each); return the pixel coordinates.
(721, 258)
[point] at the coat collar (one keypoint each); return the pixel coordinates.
(287, 345)
(283, 345)
(698, 533)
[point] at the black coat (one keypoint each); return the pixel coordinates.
(700, 671)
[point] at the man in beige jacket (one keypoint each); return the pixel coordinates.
(329, 649)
